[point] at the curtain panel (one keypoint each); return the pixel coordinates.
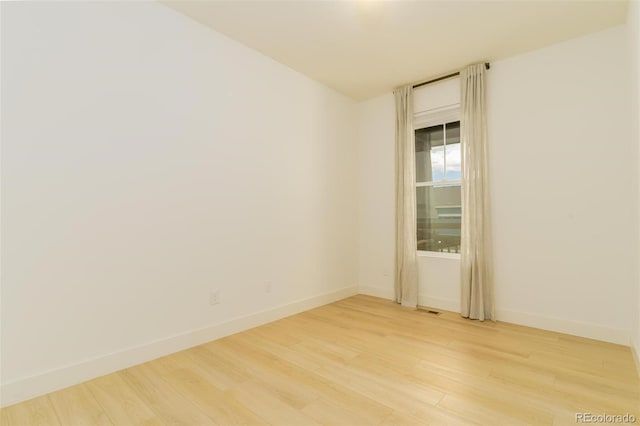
(476, 255)
(406, 271)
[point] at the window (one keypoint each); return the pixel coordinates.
(438, 177)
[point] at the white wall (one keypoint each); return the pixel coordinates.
(562, 172)
(147, 161)
(562, 186)
(376, 196)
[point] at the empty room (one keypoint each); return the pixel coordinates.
(349, 212)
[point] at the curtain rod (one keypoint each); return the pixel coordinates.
(444, 77)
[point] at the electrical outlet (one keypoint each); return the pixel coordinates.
(267, 287)
(214, 297)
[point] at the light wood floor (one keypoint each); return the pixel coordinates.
(360, 361)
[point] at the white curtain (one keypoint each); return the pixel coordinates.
(406, 273)
(476, 246)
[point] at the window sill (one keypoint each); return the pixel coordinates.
(438, 254)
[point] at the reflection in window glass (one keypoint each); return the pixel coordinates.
(454, 163)
(430, 154)
(453, 132)
(453, 157)
(439, 218)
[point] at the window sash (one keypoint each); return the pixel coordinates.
(440, 116)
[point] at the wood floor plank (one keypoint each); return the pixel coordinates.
(329, 412)
(272, 332)
(224, 373)
(37, 412)
(165, 401)
(192, 382)
(401, 419)
(473, 408)
(359, 361)
(76, 406)
(120, 402)
(269, 371)
(417, 401)
(298, 381)
(286, 353)
(269, 407)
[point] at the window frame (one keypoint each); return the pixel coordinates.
(430, 118)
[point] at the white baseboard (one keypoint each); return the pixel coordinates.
(431, 302)
(560, 325)
(384, 293)
(439, 303)
(68, 375)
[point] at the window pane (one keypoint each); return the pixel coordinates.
(453, 132)
(439, 217)
(453, 151)
(430, 154)
(453, 162)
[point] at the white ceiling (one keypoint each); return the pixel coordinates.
(365, 48)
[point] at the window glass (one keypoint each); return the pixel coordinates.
(452, 152)
(430, 154)
(438, 175)
(439, 218)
